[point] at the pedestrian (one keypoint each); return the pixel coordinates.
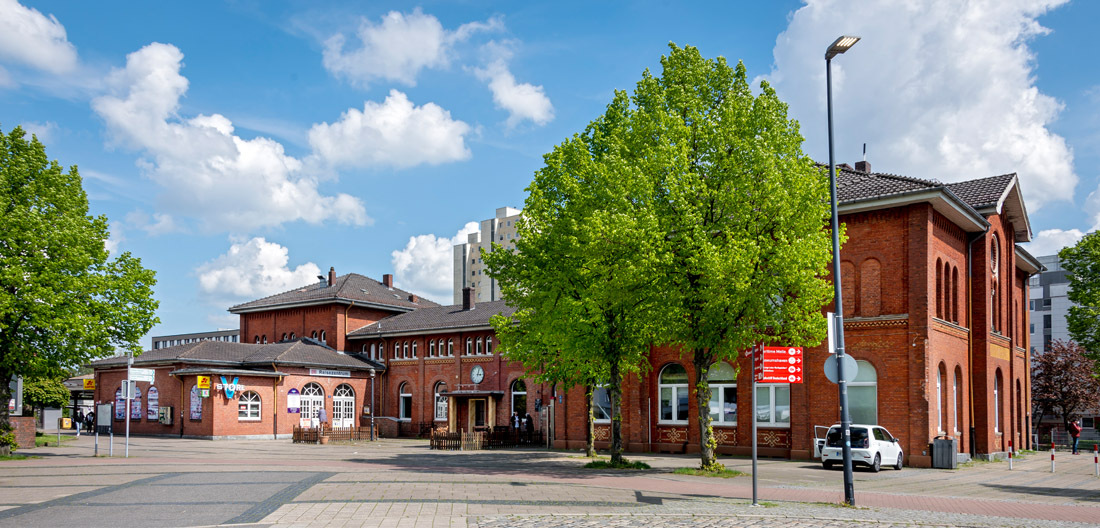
(322, 417)
(78, 422)
(515, 421)
(89, 421)
(1074, 429)
(530, 426)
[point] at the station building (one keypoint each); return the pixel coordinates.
(936, 314)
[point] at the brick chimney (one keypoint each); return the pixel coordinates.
(387, 280)
(467, 299)
(863, 166)
(413, 298)
(331, 275)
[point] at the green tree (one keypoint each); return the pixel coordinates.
(744, 213)
(45, 392)
(1082, 262)
(63, 302)
(579, 276)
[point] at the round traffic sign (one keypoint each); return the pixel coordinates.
(850, 368)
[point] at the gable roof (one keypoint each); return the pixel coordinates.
(304, 352)
(434, 320)
(346, 289)
(966, 203)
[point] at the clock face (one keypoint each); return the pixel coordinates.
(477, 374)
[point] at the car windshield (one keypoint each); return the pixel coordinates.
(859, 437)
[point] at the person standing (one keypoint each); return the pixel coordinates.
(78, 422)
(89, 421)
(530, 426)
(1074, 429)
(322, 417)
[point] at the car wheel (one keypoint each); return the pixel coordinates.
(877, 464)
(827, 464)
(898, 465)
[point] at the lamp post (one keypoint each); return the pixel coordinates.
(372, 404)
(839, 46)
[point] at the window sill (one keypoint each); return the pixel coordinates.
(774, 426)
(249, 419)
(684, 422)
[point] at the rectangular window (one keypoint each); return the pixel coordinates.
(723, 404)
(406, 406)
(773, 405)
(601, 405)
(440, 407)
(674, 404)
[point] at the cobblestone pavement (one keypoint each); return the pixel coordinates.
(398, 483)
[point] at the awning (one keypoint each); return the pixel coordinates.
(473, 393)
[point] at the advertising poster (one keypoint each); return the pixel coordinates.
(196, 403)
(135, 404)
(293, 401)
(154, 403)
(120, 405)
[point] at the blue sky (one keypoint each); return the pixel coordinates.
(241, 148)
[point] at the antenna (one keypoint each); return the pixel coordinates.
(864, 152)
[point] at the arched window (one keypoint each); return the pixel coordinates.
(343, 406)
(264, 339)
(322, 336)
(955, 398)
(405, 348)
(431, 348)
(405, 398)
(152, 404)
(120, 405)
(519, 397)
(478, 351)
(673, 386)
(450, 347)
(248, 407)
(955, 294)
(941, 387)
(283, 338)
(939, 289)
(135, 404)
(489, 345)
(397, 351)
(257, 339)
(1019, 410)
(870, 288)
(469, 346)
(372, 351)
(292, 336)
(997, 402)
(441, 401)
(723, 393)
(414, 349)
(863, 395)
(313, 400)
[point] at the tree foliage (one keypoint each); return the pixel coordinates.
(63, 301)
(1062, 381)
(1082, 262)
(45, 392)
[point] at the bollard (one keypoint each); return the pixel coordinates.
(1010, 455)
(1096, 458)
(1052, 457)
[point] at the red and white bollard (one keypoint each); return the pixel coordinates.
(1052, 457)
(1010, 455)
(1096, 458)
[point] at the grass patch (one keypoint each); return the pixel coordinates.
(604, 464)
(47, 440)
(597, 457)
(16, 457)
(724, 473)
(839, 505)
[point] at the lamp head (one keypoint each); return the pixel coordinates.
(840, 45)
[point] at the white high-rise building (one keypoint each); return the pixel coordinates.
(468, 264)
(1049, 304)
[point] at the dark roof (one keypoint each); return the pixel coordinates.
(984, 192)
(853, 185)
(436, 318)
(345, 289)
(304, 352)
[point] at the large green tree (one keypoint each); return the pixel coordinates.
(63, 301)
(580, 275)
(45, 392)
(744, 214)
(1082, 262)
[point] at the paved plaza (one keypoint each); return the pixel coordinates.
(398, 483)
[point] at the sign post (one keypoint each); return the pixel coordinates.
(771, 364)
(129, 394)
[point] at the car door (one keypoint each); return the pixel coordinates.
(887, 446)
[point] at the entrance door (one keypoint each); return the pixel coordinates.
(477, 414)
(313, 399)
(343, 406)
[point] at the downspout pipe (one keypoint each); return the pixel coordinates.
(275, 404)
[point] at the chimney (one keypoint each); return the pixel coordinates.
(467, 299)
(331, 275)
(387, 280)
(863, 166)
(413, 298)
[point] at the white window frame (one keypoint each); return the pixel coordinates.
(595, 397)
(866, 384)
(939, 400)
(397, 350)
(675, 389)
(489, 346)
(431, 348)
(442, 403)
(469, 346)
(414, 350)
(253, 407)
(405, 349)
(772, 389)
(477, 350)
(997, 402)
(955, 400)
(514, 393)
(719, 388)
(450, 348)
(405, 402)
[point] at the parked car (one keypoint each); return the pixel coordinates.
(871, 446)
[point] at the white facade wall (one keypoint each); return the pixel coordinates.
(469, 266)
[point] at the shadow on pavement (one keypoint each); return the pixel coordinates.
(1070, 493)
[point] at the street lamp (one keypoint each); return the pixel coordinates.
(839, 46)
(372, 404)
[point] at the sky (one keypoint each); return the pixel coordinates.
(242, 148)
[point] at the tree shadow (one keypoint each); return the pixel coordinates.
(1046, 491)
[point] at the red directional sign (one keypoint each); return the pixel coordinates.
(778, 364)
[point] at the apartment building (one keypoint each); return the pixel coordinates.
(469, 267)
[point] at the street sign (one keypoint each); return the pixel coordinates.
(778, 365)
(89, 384)
(140, 374)
(832, 320)
(129, 389)
(850, 368)
(203, 382)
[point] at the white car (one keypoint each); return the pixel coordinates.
(872, 446)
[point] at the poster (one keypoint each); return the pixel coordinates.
(135, 404)
(196, 403)
(120, 405)
(293, 401)
(153, 396)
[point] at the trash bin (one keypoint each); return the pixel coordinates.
(943, 453)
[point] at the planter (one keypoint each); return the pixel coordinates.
(323, 439)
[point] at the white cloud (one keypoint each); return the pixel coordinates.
(395, 133)
(1051, 241)
(43, 131)
(398, 47)
(520, 100)
(207, 172)
(157, 224)
(426, 265)
(252, 269)
(937, 88)
(114, 240)
(31, 38)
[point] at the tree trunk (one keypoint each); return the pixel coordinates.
(5, 396)
(616, 414)
(590, 429)
(702, 361)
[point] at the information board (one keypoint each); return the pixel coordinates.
(773, 364)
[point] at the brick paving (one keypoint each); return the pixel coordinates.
(172, 482)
